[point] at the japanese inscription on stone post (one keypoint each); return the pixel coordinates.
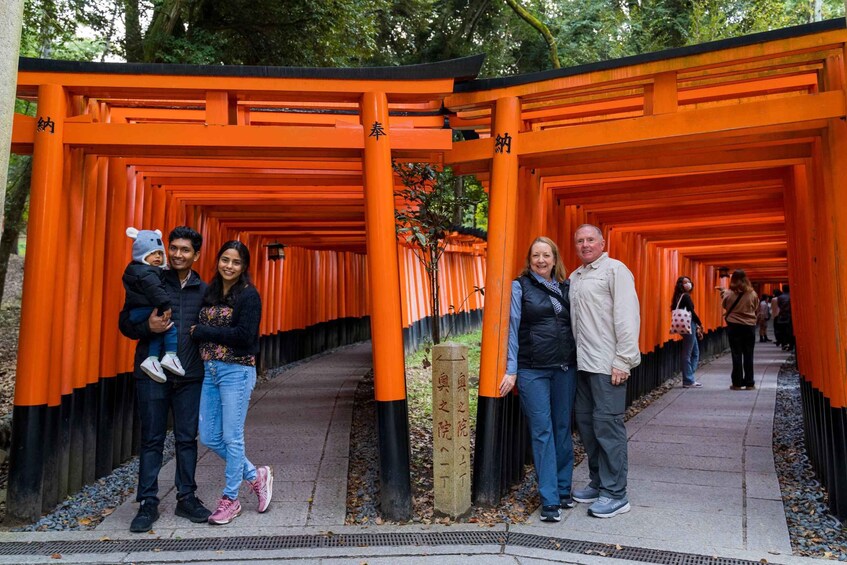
(451, 429)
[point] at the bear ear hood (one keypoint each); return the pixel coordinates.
(133, 232)
(145, 242)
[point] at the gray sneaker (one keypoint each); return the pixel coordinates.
(587, 494)
(551, 513)
(606, 507)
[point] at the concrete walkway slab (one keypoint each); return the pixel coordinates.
(711, 489)
(299, 423)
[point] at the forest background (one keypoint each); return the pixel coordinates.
(517, 36)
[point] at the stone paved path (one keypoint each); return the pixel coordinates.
(701, 470)
(299, 423)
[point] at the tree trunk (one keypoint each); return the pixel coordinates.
(134, 45)
(10, 38)
(165, 18)
(15, 204)
(459, 192)
(541, 28)
(435, 301)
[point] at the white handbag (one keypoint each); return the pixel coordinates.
(680, 320)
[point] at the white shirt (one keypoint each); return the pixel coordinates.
(605, 317)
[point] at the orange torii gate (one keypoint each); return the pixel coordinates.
(693, 160)
(301, 157)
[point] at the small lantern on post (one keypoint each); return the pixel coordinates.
(276, 251)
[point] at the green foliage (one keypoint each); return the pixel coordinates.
(475, 215)
(391, 32)
(263, 32)
(430, 203)
(419, 381)
(609, 29)
(426, 216)
(65, 29)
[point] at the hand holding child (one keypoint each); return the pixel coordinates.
(159, 324)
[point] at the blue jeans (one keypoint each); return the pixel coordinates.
(168, 337)
(547, 397)
(223, 409)
(154, 400)
(690, 356)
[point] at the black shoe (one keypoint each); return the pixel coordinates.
(148, 513)
(551, 513)
(191, 507)
(566, 501)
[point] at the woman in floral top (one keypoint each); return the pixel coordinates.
(228, 332)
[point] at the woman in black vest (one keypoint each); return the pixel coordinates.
(542, 360)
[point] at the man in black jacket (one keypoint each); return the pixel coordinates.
(180, 394)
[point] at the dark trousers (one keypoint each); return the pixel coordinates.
(785, 331)
(599, 408)
(155, 400)
(742, 340)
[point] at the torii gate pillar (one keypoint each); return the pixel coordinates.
(489, 471)
(386, 322)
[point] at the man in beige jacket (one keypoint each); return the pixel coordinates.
(606, 323)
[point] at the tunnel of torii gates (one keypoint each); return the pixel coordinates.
(692, 161)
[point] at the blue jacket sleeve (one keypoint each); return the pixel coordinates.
(514, 324)
(133, 331)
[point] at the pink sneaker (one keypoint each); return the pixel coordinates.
(227, 511)
(263, 486)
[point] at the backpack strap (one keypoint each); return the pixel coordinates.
(734, 304)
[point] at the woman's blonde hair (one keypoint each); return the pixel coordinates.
(558, 273)
(739, 283)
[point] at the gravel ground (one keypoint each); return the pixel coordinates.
(87, 508)
(814, 532)
(10, 315)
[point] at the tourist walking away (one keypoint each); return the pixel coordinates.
(542, 359)
(783, 320)
(777, 331)
(741, 304)
(606, 324)
(144, 285)
(690, 352)
(179, 395)
(228, 334)
(762, 317)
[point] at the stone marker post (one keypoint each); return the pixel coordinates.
(451, 430)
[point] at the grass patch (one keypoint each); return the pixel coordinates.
(419, 381)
